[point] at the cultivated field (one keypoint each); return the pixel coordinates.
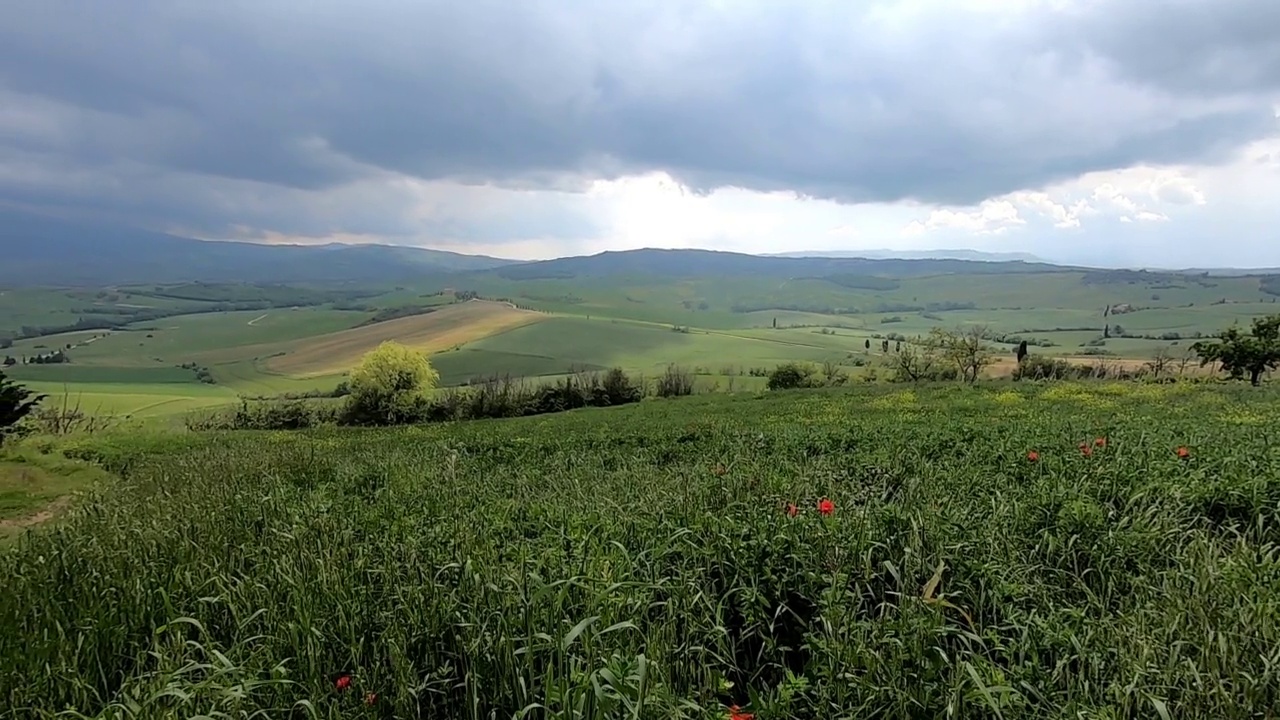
(431, 333)
(644, 562)
(557, 344)
(302, 340)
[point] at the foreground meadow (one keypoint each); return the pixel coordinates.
(1083, 551)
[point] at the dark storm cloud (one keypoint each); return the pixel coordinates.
(852, 101)
(1189, 46)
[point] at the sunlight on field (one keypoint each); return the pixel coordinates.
(433, 332)
(134, 399)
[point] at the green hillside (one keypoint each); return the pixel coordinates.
(644, 562)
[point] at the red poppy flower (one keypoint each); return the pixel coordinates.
(343, 683)
(1086, 450)
(1033, 456)
(1183, 452)
(371, 698)
(826, 507)
(792, 510)
(737, 713)
(1100, 442)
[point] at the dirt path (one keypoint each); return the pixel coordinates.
(255, 320)
(44, 515)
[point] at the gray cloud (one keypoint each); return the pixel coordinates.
(202, 105)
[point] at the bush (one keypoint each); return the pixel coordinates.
(675, 382)
(390, 386)
(1039, 367)
(789, 376)
(619, 389)
(508, 397)
(266, 415)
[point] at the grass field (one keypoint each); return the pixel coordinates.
(134, 399)
(641, 562)
(440, 330)
(36, 488)
(559, 343)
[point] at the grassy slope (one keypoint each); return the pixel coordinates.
(485, 561)
(51, 307)
(36, 488)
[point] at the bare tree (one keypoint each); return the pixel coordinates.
(1160, 362)
(834, 374)
(915, 363)
(965, 349)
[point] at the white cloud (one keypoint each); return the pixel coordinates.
(992, 216)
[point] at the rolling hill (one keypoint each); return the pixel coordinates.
(41, 251)
(688, 263)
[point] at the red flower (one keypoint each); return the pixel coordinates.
(1100, 442)
(826, 507)
(737, 713)
(1086, 450)
(371, 698)
(1033, 456)
(1183, 452)
(792, 510)
(343, 683)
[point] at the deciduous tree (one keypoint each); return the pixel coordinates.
(1239, 353)
(966, 350)
(389, 383)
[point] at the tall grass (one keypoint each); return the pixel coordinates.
(641, 563)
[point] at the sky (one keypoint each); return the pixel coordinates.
(1106, 132)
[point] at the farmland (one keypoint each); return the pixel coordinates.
(169, 349)
(642, 562)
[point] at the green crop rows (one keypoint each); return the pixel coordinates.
(640, 562)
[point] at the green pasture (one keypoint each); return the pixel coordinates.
(1064, 550)
(135, 399)
(55, 306)
(558, 344)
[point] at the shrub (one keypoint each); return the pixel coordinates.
(292, 414)
(389, 386)
(508, 397)
(789, 376)
(619, 389)
(675, 382)
(1039, 367)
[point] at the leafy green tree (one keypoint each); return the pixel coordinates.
(1239, 353)
(389, 385)
(16, 402)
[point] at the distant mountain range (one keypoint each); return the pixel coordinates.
(39, 251)
(887, 254)
(689, 263)
(35, 250)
